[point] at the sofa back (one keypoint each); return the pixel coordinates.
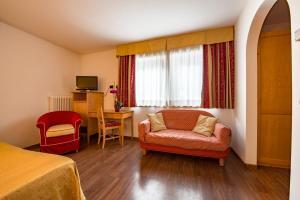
(182, 119)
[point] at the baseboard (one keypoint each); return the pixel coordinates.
(271, 162)
(266, 162)
(37, 146)
(249, 166)
(129, 137)
(32, 147)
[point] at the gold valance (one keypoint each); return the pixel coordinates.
(178, 41)
(142, 47)
(202, 37)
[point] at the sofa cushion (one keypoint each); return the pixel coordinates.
(157, 122)
(59, 130)
(182, 119)
(205, 125)
(186, 139)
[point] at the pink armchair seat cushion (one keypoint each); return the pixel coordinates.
(186, 139)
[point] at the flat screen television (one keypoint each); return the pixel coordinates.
(86, 82)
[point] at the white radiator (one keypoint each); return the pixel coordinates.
(60, 103)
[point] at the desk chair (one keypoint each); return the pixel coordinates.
(105, 126)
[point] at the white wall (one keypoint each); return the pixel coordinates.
(105, 65)
(295, 165)
(31, 69)
(247, 33)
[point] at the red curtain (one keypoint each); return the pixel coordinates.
(218, 75)
(126, 90)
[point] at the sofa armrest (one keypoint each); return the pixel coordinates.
(144, 128)
(223, 133)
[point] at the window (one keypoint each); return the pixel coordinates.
(150, 76)
(169, 79)
(185, 76)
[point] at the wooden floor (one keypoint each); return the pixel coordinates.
(123, 173)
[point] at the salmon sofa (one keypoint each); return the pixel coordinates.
(179, 137)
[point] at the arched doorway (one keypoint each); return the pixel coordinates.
(251, 78)
(274, 88)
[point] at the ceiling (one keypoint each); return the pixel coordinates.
(86, 26)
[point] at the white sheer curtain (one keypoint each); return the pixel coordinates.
(151, 72)
(185, 76)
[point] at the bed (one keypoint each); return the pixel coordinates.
(33, 175)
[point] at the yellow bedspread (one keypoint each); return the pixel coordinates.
(33, 175)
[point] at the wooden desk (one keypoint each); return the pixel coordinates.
(122, 115)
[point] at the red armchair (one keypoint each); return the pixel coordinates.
(59, 143)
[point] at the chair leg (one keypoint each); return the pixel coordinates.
(99, 135)
(120, 139)
(103, 143)
(221, 162)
